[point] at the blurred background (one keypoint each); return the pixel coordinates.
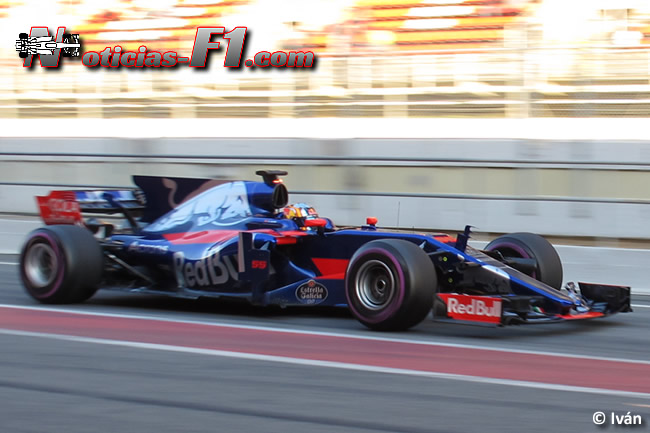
(378, 58)
(510, 115)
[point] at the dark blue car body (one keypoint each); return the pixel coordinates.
(205, 238)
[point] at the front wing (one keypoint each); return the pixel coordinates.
(593, 301)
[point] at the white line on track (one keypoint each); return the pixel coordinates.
(328, 334)
(638, 405)
(9, 263)
(330, 364)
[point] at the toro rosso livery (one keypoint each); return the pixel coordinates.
(208, 238)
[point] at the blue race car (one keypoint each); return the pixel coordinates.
(196, 238)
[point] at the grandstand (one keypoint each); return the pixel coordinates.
(412, 25)
(170, 27)
(397, 58)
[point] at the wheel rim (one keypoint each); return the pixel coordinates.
(375, 285)
(41, 265)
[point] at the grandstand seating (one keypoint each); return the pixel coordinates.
(403, 24)
(421, 25)
(410, 58)
(173, 29)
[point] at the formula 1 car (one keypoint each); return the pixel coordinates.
(45, 45)
(196, 238)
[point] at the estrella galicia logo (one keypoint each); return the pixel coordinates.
(48, 48)
(311, 293)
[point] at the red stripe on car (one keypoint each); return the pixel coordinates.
(331, 268)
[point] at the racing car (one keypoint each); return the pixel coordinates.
(192, 238)
(45, 45)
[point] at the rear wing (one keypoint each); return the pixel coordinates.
(66, 207)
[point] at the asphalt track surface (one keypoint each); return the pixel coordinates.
(139, 363)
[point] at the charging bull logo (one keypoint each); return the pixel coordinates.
(220, 206)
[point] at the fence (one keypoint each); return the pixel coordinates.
(593, 81)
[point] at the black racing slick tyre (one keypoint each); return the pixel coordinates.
(61, 264)
(389, 285)
(23, 36)
(532, 246)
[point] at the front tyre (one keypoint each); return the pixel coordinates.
(389, 285)
(61, 264)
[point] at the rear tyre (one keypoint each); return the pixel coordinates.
(389, 285)
(23, 36)
(532, 246)
(61, 264)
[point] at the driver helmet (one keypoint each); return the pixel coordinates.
(299, 212)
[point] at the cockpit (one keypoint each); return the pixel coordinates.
(306, 217)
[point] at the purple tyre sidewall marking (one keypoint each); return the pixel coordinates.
(60, 263)
(516, 248)
(401, 289)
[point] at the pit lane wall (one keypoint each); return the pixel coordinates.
(558, 177)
